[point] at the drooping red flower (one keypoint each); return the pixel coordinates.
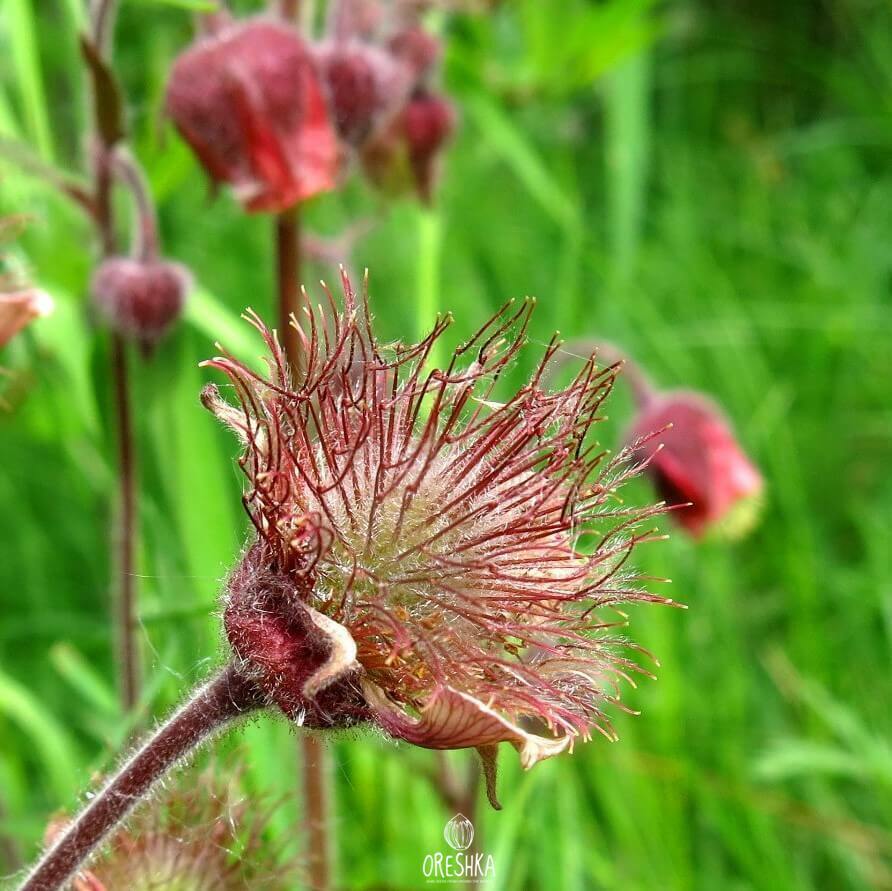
(20, 307)
(429, 559)
(248, 101)
(408, 151)
(140, 299)
(429, 120)
(696, 463)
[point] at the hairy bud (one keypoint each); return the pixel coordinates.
(140, 299)
(407, 152)
(428, 122)
(420, 50)
(364, 84)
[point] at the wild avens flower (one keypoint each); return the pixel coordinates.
(200, 835)
(429, 559)
(697, 464)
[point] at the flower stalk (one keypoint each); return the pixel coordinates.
(219, 702)
(125, 586)
(288, 264)
(313, 755)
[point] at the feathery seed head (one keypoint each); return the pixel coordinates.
(427, 558)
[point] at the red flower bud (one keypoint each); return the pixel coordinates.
(409, 149)
(248, 101)
(365, 86)
(699, 463)
(428, 122)
(18, 308)
(140, 298)
(287, 647)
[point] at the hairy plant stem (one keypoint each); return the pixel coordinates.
(459, 794)
(217, 703)
(312, 754)
(315, 776)
(288, 284)
(124, 587)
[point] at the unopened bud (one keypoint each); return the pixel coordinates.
(365, 87)
(140, 299)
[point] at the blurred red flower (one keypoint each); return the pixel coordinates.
(248, 101)
(697, 464)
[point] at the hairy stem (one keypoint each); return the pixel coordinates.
(219, 702)
(313, 755)
(288, 283)
(125, 587)
(102, 17)
(145, 224)
(128, 649)
(314, 758)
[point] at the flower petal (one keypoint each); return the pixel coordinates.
(452, 719)
(19, 308)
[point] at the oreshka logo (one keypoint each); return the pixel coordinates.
(464, 865)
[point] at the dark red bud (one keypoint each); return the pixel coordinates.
(428, 122)
(140, 299)
(365, 86)
(248, 100)
(700, 462)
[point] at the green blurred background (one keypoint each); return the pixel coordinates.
(706, 183)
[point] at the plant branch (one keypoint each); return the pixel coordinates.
(102, 20)
(145, 229)
(312, 754)
(288, 284)
(314, 758)
(222, 700)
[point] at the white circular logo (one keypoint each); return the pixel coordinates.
(459, 833)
